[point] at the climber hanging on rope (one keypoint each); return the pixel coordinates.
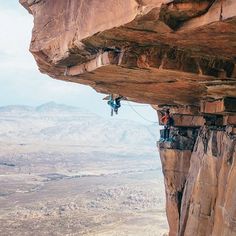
(168, 122)
(114, 103)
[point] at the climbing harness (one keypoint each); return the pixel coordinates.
(144, 118)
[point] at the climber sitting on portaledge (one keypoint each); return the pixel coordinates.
(168, 122)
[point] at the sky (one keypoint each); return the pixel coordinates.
(21, 83)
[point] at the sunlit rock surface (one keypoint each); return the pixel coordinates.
(171, 54)
(208, 204)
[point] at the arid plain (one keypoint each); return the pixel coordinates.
(53, 187)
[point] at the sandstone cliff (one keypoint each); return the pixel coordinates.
(176, 54)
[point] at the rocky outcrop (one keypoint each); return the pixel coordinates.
(113, 45)
(176, 54)
(208, 205)
(198, 166)
(200, 185)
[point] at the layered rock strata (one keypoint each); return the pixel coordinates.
(176, 54)
(198, 166)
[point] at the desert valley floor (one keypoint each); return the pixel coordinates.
(47, 188)
(55, 193)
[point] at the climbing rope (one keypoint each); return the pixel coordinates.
(132, 107)
(144, 118)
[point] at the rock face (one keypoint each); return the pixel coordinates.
(208, 204)
(176, 54)
(200, 183)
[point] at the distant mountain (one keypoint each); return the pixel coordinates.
(54, 107)
(47, 107)
(57, 123)
(16, 109)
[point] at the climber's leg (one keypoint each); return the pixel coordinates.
(165, 133)
(168, 134)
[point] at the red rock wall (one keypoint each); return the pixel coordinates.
(154, 51)
(175, 169)
(209, 201)
(200, 184)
